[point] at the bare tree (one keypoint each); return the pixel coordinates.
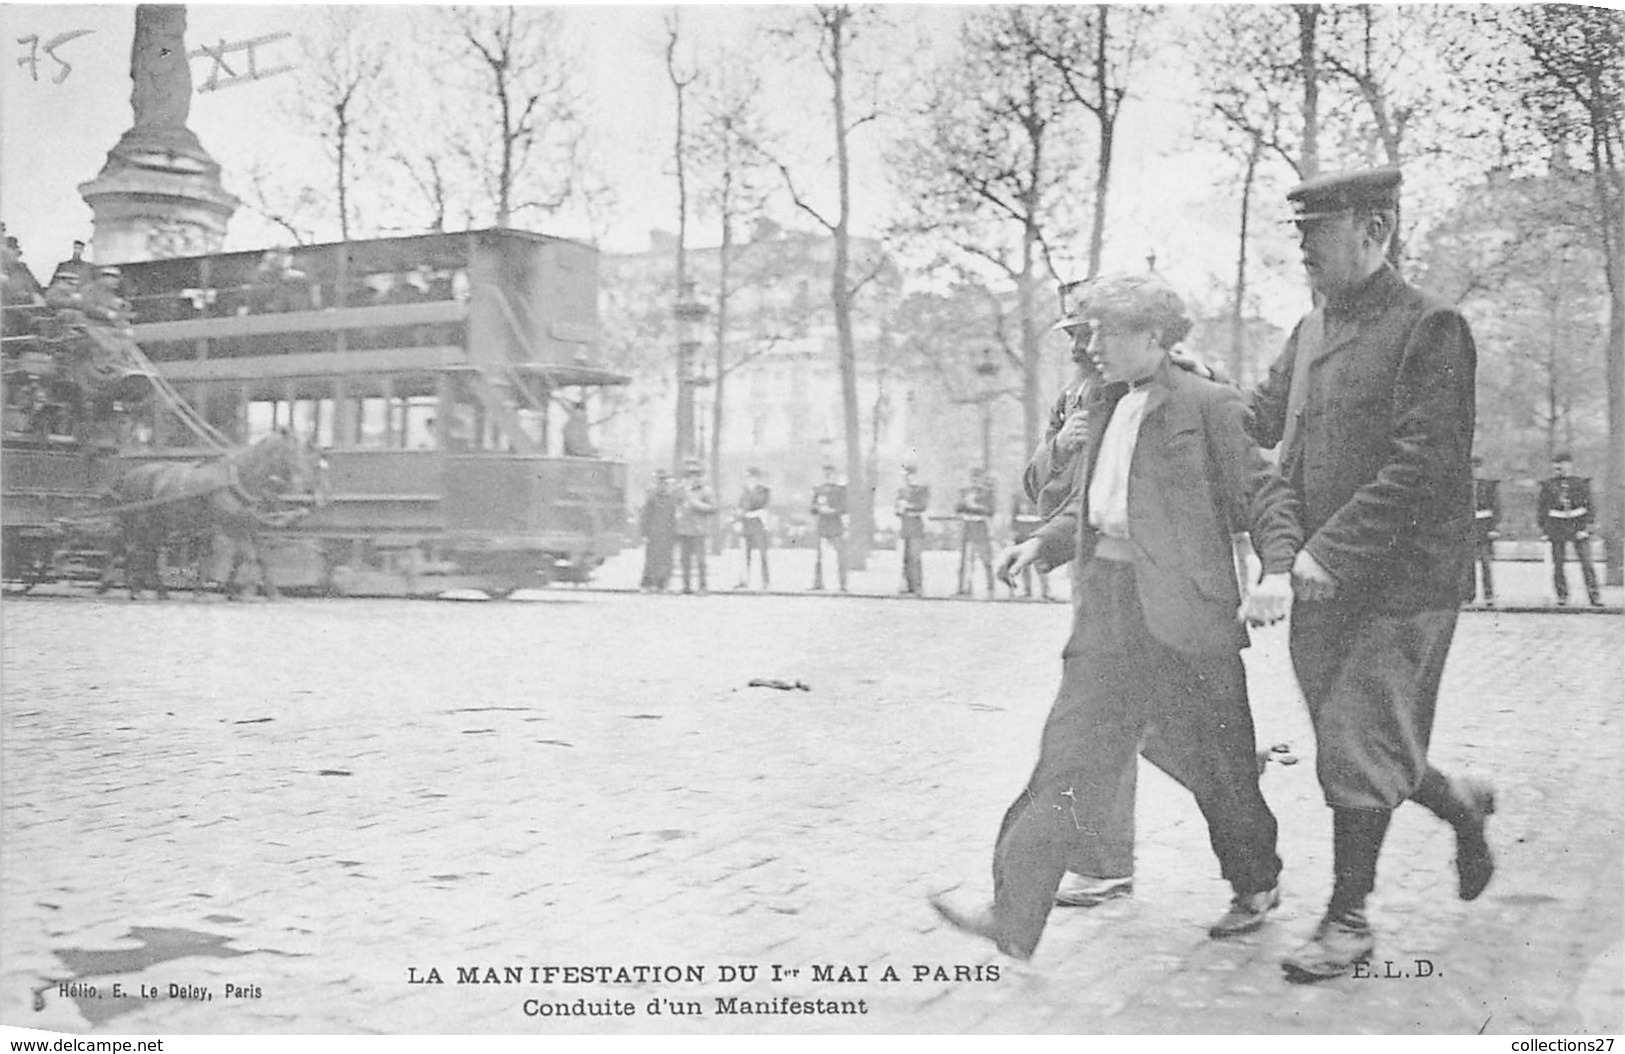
(1095, 50)
(1557, 67)
(732, 169)
(681, 80)
(521, 131)
(340, 96)
(986, 169)
(830, 32)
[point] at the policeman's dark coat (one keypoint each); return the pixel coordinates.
(1382, 456)
(696, 504)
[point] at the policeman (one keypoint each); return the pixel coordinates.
(753, 503)
(829, 506)
(1372, 404)
(1564, 515)
(975, 511)
(913, 498)
(1486, 520)
(696, 504)
(83, 268)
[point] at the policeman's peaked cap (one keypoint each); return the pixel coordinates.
(1339, 192)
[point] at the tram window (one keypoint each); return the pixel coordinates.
(418, 422)
(325, 417)
(302, 415)
(374, 422)
(262, 418)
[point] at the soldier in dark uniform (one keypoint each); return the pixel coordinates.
(1372, 405)
(1024, 520)
(975, 511)
(753, 503)
(1563, 513)
(696, 504)
(658, 525)
(913, 499)
(829, 506)
(81, 267)
(1486, 521)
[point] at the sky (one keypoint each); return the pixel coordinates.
(54, 136)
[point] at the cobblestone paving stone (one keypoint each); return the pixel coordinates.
(343, 790)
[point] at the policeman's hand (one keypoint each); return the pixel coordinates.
(1198, 367)
(1310, 580)
(1073, 434)
(1581, 536)
(1492, 535)
(1267, 602)
(1014, 560)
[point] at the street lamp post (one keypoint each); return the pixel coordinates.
(988, 371)
(689, 313)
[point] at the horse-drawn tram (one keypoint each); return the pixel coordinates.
(446, 380)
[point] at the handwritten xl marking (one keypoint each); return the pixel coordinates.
(218, 54)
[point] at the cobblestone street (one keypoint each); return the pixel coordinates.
(319, 801)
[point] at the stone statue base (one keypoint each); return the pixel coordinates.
(157, 209)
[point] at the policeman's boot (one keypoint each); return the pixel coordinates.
(1344, 937)
(1465, 805)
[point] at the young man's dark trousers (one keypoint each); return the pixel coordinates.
(1118, 683)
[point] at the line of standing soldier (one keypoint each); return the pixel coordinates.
(679, 515)
(1562, 512)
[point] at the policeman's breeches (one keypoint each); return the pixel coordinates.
(1371, 682)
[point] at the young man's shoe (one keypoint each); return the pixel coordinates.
(979, 922)
(1087, 891)
(1248, 912)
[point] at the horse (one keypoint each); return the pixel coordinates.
(228, 499)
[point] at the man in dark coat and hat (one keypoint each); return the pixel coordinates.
(1372, 406)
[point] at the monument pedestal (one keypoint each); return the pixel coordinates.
(159, 194)
(156, 207)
